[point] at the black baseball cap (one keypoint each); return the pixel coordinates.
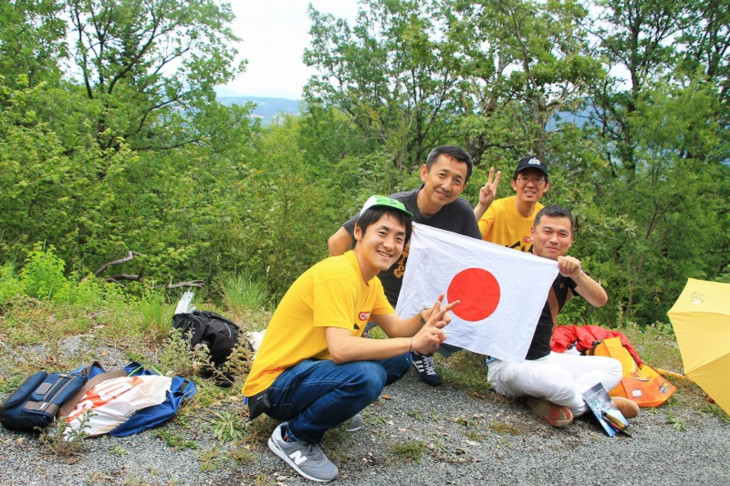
(531, 162)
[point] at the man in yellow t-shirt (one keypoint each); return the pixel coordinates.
(314, 370)
(508, 221)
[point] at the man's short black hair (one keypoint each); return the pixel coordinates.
(454, 152)
(374, 214)
(554, 211)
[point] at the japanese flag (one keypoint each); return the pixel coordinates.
(501, 291)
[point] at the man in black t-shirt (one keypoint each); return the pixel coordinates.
(435, 203)
(554, 382)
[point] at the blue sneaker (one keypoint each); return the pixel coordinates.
(425, 367)
(306, 459)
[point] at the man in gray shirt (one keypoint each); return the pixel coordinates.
(435, 203)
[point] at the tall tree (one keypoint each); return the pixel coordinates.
(523, 62)
(706, 36)
(635, 39)
(391, 73)
(102, 162)
(659, 125)
(32, 41)
(148, 63)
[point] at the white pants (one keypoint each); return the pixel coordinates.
(558, 377)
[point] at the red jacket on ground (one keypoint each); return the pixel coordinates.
(585, 337)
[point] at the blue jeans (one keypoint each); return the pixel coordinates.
(317, 395)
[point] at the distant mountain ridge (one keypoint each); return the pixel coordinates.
(268, 109)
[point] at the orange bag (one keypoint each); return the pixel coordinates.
(641, 384)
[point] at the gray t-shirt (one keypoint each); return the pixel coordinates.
(457, 217)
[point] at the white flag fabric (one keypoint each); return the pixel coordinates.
(501, 291)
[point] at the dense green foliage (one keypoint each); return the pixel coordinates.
(111, 139)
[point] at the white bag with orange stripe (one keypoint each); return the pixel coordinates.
(111, 402)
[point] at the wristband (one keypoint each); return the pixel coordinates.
(420, 316)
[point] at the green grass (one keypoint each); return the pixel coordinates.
(503, 428)
(242, 292)
(656, 345)
(409, 450)
(465, 369)
(176, 441)
(156, 315)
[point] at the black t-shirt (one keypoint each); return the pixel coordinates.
(457, 217)
(540, 345)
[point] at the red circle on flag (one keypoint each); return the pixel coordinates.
(478, 291)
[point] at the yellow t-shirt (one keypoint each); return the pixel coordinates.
(502, 224)
(331, 293)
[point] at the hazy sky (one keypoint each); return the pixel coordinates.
(274, 35)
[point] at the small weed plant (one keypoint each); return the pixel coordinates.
(211, 460)
(262, 479)
(176, 357)
(63, 440)
(503, 428)
(240, 456)
(228, 426)
(118, 451)
(239, 361)
(676, 421)
(714, 409)
(261, 428)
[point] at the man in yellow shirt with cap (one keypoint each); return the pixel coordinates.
(314, 370)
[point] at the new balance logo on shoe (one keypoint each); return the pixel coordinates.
(298, 457)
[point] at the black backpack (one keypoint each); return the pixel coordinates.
(215, 331)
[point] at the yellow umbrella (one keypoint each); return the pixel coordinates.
(701, 321)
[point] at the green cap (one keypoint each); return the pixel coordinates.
(386, 202)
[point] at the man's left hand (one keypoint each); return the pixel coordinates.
(488, 192)
(569, 266)
(431, 335)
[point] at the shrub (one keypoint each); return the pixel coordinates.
(42, 276)
(10, 285)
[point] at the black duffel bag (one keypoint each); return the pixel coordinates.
(216, 332)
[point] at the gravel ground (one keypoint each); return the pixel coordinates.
(466, 440)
